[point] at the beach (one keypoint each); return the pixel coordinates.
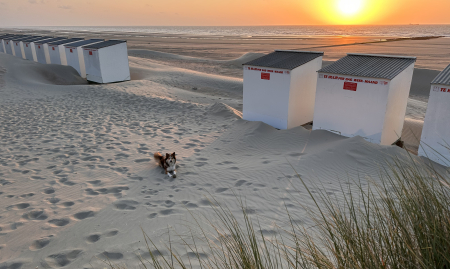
(77, 175)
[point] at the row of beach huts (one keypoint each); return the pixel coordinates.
(359, 95)
(97, 60)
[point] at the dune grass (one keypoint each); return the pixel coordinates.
(400, 221)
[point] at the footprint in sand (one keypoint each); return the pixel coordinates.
(168, 203)
(84, 215)
(53, 200)
(111, 233)
(63, 258)
(37, 178)
(27, 195)
(152, 215)
(40, 243)
(95, 182)
(126, 205)
(188, 204)
(18, 206)
(14, 265)
(49, 191)
(93, 238)
(67, 204)
(35, 215)
(16, 225)
(167, 212)
(220, 190)
(59, 222)
(111, 255)
(206, 202)
(146, 160)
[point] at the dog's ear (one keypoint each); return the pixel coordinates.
(173, 154)
(167, 155)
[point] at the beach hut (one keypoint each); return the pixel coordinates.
(57, 52)
(42, 54)
(29, 47)
(279, 88)
(364, 95)
(435, 140)
(74, 54)
(2, 46)
(107, 61)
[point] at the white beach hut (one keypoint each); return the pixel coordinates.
(74, 54)
(279, 88)
(29, 47)
(435, 140)
(42, 54)
(57, 52)
(364, 95)
(107, 61)
(2, 46)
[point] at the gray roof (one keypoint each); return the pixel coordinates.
(105, 44)
(37, 39)
(65, 41)
(369, 65)
(83, 43)
(443, 78)
(30, 38)
(285, 59)
(50, 40)
(7, 37)
(19, 38)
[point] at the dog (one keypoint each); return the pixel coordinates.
(168, 162)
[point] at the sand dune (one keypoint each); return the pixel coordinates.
(76, 171)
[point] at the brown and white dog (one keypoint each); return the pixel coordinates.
(168, 162)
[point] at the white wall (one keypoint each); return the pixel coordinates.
(396, 108)
(303, 93)
(53, 52)
(33, 50)
(28, 51)
(266, 100)
(8, 47)
(22, 49)
(92, 62)
(351, 113)
(73, 58)
(47, 55)
(114, 64)
(40, 53)
(12, 43)
(18, 49)
(82, 65)
(436, 127)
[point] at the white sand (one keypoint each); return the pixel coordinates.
(76, 171)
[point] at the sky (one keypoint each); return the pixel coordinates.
(220, 12)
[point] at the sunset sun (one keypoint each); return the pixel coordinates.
(349, 7)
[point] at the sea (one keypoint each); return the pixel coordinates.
(282, 31)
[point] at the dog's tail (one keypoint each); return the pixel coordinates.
(157, 157)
